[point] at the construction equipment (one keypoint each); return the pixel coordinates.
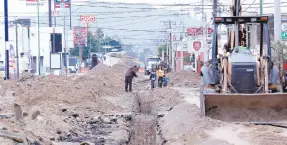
(149, 62)
(239, 83)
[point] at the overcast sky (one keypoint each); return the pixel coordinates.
(148, 20)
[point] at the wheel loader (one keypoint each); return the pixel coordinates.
(238, 85)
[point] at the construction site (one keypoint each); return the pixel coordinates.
(229, 92)
(93, 108)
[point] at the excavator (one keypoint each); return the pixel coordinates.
(240, 86)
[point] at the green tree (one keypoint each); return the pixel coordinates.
(95, 42)
(160, 48)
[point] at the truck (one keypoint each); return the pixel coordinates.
(150, 62)
(73, 65)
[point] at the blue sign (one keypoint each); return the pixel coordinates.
(59, 1)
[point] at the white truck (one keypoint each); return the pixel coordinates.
(150, 63)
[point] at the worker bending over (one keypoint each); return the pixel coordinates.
(131, 73)
(160, 75)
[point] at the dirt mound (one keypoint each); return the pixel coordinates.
(184, 125)
(26, 76)
(184, 79)
(59, 97)
(165, 99)
(100, 68)
(120, 68)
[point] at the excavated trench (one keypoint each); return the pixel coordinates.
(139, 127)
(104, 129)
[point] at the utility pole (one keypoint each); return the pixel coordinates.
(29, 49)
(277, 20)
(261, 7)
(6, 30)
(70, 15)
(181, 38)
(169, 44)
(38, 14)
(50, 12)
(65, 49)
(17, 55)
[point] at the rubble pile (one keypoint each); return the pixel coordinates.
(184, 79)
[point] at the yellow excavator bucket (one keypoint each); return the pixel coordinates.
(270, 107)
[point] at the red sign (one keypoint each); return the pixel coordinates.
(62, 5)
(209, 30)
(87, 19)
(196, 45)
(193, 31)
(80, 36)
(197, 31)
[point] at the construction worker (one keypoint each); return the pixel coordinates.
(165, 80)
(131, 73)
(160, 74)
(152, 78)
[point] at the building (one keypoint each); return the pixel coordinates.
(28, 48)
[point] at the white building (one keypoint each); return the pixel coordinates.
(24, 46)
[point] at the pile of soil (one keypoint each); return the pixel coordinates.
(120, 68)
(49, 101)
(184, 125)
(184, 79)
(164, 99)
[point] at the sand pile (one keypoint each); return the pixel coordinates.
(184, 79)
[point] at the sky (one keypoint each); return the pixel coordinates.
(144, 20)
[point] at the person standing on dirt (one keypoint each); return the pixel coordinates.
(160, 75)
(131, 73)
(152, 78)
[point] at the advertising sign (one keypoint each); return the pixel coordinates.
(193, 31)
(87, 19)
(80, 36)
(62, 3)
(196, 45)
(197, 31)
(34, 2)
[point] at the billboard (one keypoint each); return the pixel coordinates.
(58, 42)
(80, 36)
(197, 31)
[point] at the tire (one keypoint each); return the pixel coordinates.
(147, 72)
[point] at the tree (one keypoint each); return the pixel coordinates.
(93, 43)
(160, 48)
(279, 56)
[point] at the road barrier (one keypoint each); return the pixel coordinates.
(141, 70)
(84, 70)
